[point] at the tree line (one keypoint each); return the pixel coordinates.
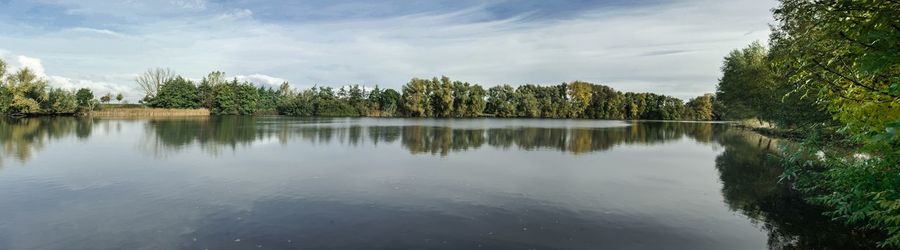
(436, 97)
(831, 75)
(26, 93)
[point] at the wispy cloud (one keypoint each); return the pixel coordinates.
(672, 48)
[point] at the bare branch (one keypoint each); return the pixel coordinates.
(153, 79)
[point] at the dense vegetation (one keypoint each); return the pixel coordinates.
(26, 93)
(437, 97)
(831, 74)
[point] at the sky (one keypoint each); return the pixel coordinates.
(667, 47)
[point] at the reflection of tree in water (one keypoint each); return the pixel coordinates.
(215, 133)
(21, 138)
(750, 181)
(750, 186)
(441, 140)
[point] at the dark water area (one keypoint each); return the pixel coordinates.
(291, 183)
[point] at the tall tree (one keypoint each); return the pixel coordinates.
(153, 79)
(747, 82)
(176, 93)
(28, 92)
(501, 101)
(579, 98)
(83, 97)
(442, 98)
(416, 101)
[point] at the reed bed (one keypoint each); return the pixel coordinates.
(149, 112)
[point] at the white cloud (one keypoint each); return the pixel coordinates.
(262, 80)
(33, 64)
(236, 14)
(93, 31)
(99, 87)
(190, 4)
(674, 49)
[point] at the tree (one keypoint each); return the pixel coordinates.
(215, 78)
(528, 105)
(28, 92)
(356, 97)
(59, 101)
(6, 95)
(476, 103)
(2, 70)
(374, 100)
(248, 98)
(225, 99)
(176, 93)
(416, 100)
(442, 97)
(501, 101)
(390, 101)
(119, 97)
(105, 98)
(699, 108)
(151, 80)
(83, 97)
(846, 54)
(747, 82)
(579, 98)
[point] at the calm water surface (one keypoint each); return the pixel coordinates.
(286, 183)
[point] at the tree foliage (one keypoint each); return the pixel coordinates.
(832, 70)
(176, 93)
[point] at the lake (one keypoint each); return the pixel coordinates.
(343, 183)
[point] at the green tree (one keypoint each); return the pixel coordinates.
(119, 97)
(226, 99)
(59, 101)
(390, 101)
(247, 97)
(475, 102)
(699, 108)
(28, 92)
(2, 70)
(528, 105)
(416, 99)
(501, 101)
(205, 90)
(176, 93)
(442, 97)
(579, 98)
(84, 97)
(747, 82)
(847, 53)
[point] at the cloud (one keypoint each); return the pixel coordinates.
(236, 14)
(99, 87)
(190, 4)
(671, 48)
(262, 80)
(93, 31)
(28, 62)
